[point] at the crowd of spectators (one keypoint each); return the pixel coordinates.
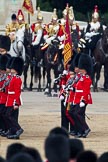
(58, 147)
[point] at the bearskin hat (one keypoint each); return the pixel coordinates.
(5, 42)
(18, 65)
(13, 17)
(3, 62)
(9, 63)
(85, 62)
(76, 60)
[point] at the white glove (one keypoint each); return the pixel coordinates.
(65, 72)
(55, 80)
(61, 46)
(61, 97)
(82, 104)
(63, 86)
(70, 88)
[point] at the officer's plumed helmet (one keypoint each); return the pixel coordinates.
(54, 15)
(20, 15)
(85, 62)
(5, 42)
(18, 65)
(71, 13)
(39, 14)
(3, 62)
(76, 60)
(96, 12)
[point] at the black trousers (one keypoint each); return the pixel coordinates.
(78, 114)
(15, 114)
(11, 119)
(64, 120)
(2, 111)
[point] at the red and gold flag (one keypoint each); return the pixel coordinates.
(68, 42)
(27, 4)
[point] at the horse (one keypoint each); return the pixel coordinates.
(52, 62)
(20, 47)
(17, 48)
(100, 54)
(35, 66)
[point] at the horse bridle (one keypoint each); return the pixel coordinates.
(17, 47)
(55, 61)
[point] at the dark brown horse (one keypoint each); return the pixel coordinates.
(100, 54)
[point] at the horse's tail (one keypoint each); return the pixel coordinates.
(37, 73)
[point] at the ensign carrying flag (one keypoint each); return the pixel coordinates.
(27, 4)
(68, 42)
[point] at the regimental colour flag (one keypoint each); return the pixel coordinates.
(27, 4)
(67, 52)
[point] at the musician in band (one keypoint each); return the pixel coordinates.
(12, 27)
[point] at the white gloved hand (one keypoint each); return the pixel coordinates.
(63, 86)
(61, 46)
(65, 72)
(61, 97)
(82, 104)
(55, 81)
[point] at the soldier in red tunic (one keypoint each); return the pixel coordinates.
(70, 88)
(82, 96)
(3, 96)
(14, 98)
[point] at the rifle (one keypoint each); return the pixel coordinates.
(6, 83)
(71, 82)
(59, 77)
(2, 78)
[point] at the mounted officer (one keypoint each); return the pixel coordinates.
(74, 28)
(12, 27)
(37, 30)
(52, 28)
(37, 35)
(94, 30)
(25, 27)
(21, 20)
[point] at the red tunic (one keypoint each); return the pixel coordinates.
(61, 31)
(63, 82)
(72, 93)
(3, 95)
(82, 90)
(14, 92)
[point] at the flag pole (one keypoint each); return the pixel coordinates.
(29, 27)
(27, 4)
(28, 18)
(67, 43)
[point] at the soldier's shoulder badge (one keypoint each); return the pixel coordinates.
(87, 76)
(17, 76)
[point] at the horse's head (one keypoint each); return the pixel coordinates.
(18, 44)
(20, 38)
(52, 52)
(55, 42)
